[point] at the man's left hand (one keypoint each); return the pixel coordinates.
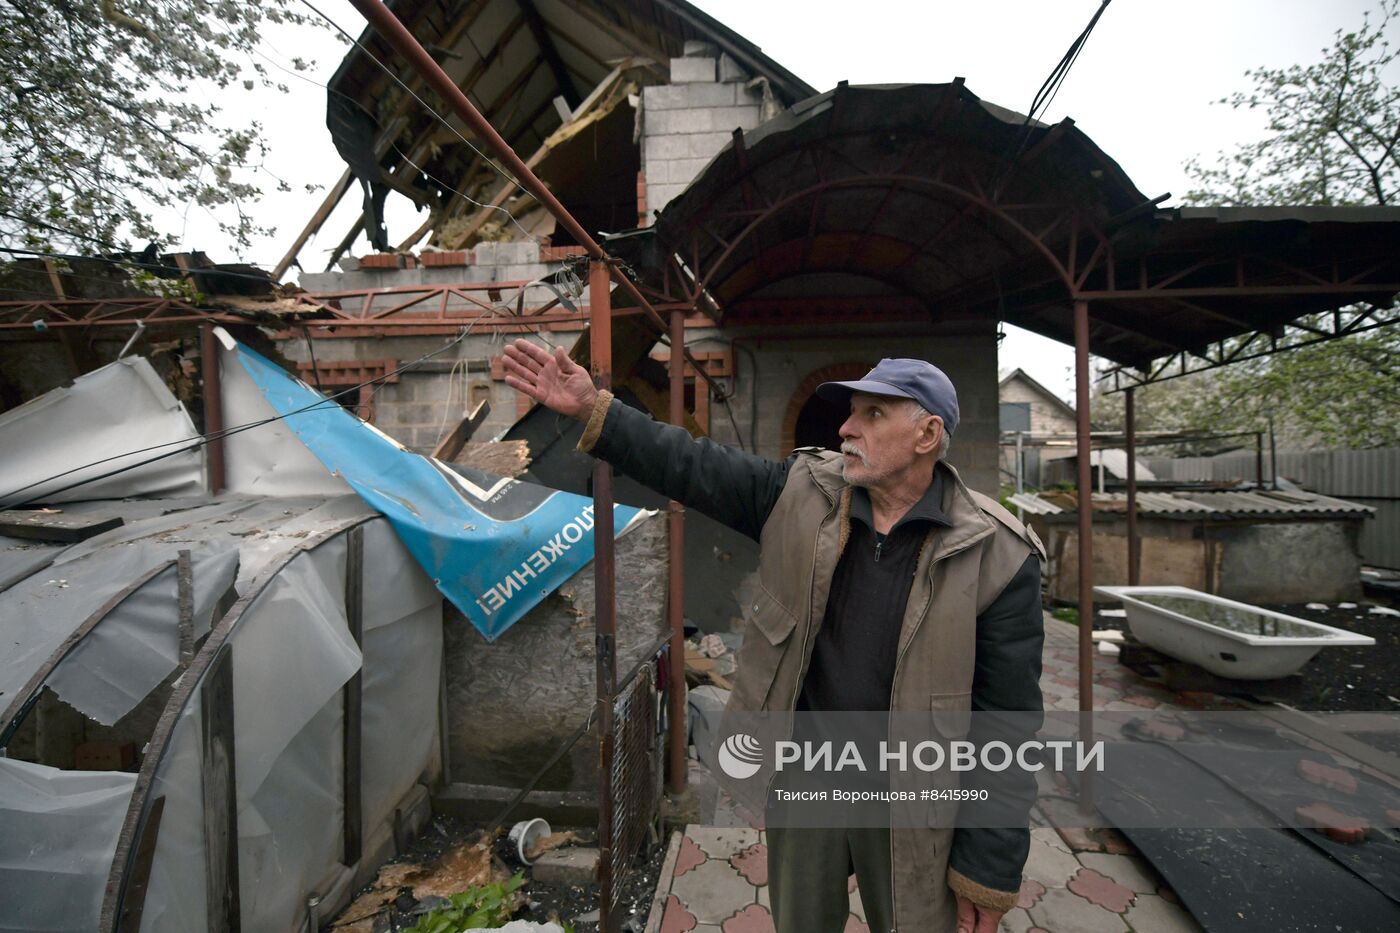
(974, 919)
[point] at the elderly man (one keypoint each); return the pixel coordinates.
(885, 584)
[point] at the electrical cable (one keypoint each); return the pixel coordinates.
(1044, 96)
(194, 444)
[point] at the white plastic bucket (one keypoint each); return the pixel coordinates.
(526, 835)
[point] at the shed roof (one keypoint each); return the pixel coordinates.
(1213, 505)
(925, 202)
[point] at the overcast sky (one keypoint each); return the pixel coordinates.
(1142, 89)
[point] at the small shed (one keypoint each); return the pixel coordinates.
(1266, 546)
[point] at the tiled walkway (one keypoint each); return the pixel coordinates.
(715, 878)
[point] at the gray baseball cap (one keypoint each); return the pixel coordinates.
(916, 379)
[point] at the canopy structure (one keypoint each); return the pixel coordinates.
(925, 202)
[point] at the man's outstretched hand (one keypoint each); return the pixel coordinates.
(552, 379)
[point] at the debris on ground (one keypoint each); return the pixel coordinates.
(553, 841)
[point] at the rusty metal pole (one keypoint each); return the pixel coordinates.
(1134, 545)
(1086, 548)
(383, 20)
(604, 583)
(1259, 459)
(675, 530)
(213, 408)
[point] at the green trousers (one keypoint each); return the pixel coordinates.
(808, 871)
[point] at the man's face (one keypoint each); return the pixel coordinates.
(880, 441)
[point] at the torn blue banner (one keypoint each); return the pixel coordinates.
(494, 547)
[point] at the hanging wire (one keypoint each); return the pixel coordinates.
(1044, 97)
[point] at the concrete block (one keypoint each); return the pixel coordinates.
(658, 196)
(679, 171)
(698, 48)
(485, 253)
(576, 865)
(521, 273)
(727, 118)
(667, 122)
(692, 70)
(515, 254)
(730, 72)
(320, 281)
(706, 95)
(705, 145)
(659, 146)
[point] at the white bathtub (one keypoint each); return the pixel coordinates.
(1225, 637)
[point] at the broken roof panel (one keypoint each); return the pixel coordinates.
(83, 441)
(493, 546)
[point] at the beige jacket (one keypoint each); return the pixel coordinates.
(961, 570)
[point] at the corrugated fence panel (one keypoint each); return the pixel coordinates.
(1368, 477)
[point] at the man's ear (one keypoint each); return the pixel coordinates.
(930, 433)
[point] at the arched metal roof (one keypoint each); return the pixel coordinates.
(925, 202)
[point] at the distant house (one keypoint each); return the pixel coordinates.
(1027, 406)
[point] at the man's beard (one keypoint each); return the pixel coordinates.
(848, 448)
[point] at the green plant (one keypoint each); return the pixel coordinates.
(1066, 614)
(484, 906)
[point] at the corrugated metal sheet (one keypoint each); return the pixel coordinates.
(1368, 477)
(1215, 505)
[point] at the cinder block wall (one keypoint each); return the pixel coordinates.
(685, 123)
(784, 367)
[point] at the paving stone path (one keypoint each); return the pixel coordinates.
(715, 877)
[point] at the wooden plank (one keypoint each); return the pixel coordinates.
(55, 525)
(184, 583)
(135, 901)
(353, 696)
(220, 797)
(452, 445)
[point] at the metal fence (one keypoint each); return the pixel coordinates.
(635, 776)
(1369, 477)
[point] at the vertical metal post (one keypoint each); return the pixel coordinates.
(1086, 531)
(604, 610)
(1020, 467)
(1134, 546)
(352, 695)
(1259, 459)
(675, 531)
(1273, 455)
(213, 407)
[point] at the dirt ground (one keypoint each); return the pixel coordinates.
(444, 860)
(1336, 679)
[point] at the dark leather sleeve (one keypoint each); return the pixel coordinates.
(1010, 636)
(731, 486)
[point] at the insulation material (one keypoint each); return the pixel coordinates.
(494, 547)
(292, 652)
(289, 828)
(176, 895)
(39, 612)
(99, 420)
(58, 830)
(267, 460)
(137, 644)
(399, 712)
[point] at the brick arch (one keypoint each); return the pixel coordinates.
(836, 372)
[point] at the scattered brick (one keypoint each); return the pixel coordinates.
(752, 919)
(689, 856)
(1316, 772)
(752, 863)
(1333, 823)
(432, 259)
(1163, 731)
(675, 918)
(1102, 890)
